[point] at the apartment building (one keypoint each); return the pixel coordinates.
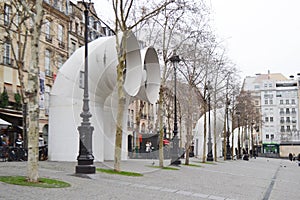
(277, 98)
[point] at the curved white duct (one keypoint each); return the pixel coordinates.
(199, 129)
(66, 97)
(148, 91)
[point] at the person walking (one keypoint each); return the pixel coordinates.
(290, 156)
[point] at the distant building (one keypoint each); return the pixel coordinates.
(277, 98)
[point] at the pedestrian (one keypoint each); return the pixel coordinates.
(294, 157)
(19, 141)
(147, 146)
(290, 156)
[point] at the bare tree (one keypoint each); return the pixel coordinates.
(23, 28)
(123, 9)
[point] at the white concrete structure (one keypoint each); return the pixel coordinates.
(198, 137)
(142, 80)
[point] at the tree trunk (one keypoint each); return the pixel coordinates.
(121, 49)
(33, 103)
(161, 130)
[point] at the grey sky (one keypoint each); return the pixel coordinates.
(260, 35)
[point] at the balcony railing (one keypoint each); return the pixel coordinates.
(282, 121)
(61, 44)
(48, 38)
(7, 61)
(48, 73)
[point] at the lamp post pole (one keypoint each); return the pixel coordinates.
(209, 143)
(239, 135)
(85, 158)
(228, 154)
(175, 149)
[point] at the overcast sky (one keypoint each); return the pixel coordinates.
(260, 35)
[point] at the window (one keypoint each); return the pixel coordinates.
(73, 47)
(293, 110)
(47, 63)
(256, 102)
(47, 30)
(281, 111)
(272, 136)
(59, 61)
(271, 119)
(6, 56)
(281, 102)
(282, 129)
(59, 5)
(271, 101)
(288, 119)
(266, 119)
(270, 84)
(281, 119)
(288, 128)
(266, 101)
(287, 111)
(47, 99)
(293, 101)
(7, 11)
(60, 36)
(60, 32)
(287, 101)
(76, 28)
(267, 136)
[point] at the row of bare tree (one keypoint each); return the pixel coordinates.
(180, 27)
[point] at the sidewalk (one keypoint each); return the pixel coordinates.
(259, 178)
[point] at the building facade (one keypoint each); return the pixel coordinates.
(62, 33)
(278, 103)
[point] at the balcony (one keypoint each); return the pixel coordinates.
(48, 73)
(281, 112)
(294, 121)
(48, 38)
(61, 44)
(282, 121)
(282, 130)
(288, 121)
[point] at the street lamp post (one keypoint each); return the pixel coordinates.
(228, 154)
(239, 134)
(175, 149)
(85, 158)
(209, 143)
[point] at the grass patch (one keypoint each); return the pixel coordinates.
(193, 165)
(43, 182)
(124, 173)
(166, 168)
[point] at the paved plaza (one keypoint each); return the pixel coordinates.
(261, 178)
